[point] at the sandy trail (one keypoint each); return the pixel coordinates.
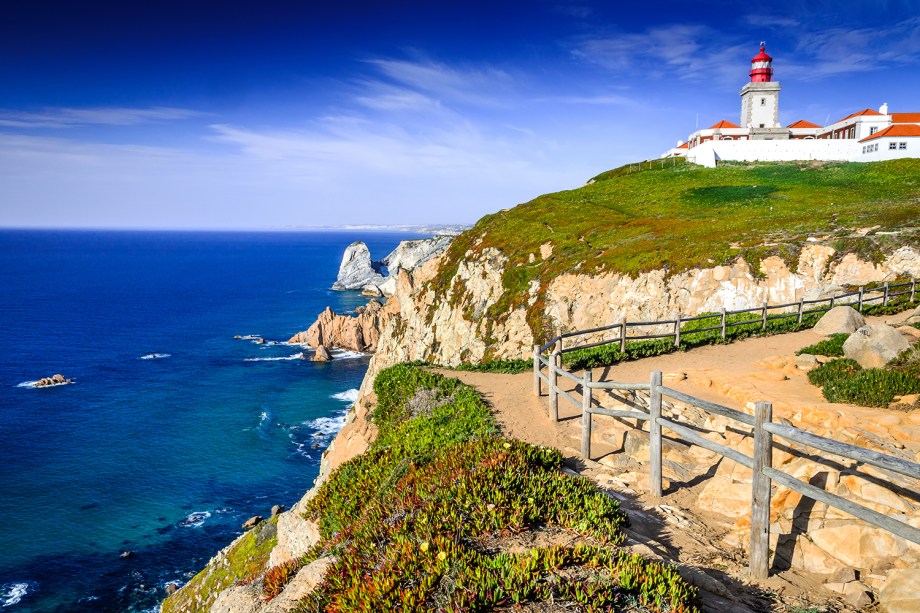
(673, 527)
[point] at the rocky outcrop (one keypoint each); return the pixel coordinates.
(409, 255)
(322, 354)
(356, 333)
(52, 380)
(357, 269)
(840, 320)
(874, 346)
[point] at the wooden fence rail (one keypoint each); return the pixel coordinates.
(764, 429)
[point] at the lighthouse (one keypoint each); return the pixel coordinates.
(760, 101)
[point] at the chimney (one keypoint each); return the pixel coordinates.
(883, 109)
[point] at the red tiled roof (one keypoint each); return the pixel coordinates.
(904, 129)
(684, 146)
(859, 114)
(723, 124)
(905, 117)
(801, 123)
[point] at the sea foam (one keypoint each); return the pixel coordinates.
(347, 396)
(12, 593)
(193, 520)
(296, 356)
(344, 354)
(36, 386)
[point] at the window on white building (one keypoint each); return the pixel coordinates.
(763, 102)
(902, 145)
(872, 131)
(892, 145)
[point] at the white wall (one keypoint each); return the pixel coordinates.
(710, 152)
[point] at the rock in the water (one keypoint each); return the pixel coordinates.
(278, 508)
(57, 379)
(357, 269)
(126, 554)
(322, 354)
(840, 320)
(372, 291)
(353, 333)
(875, 345)
(252, 522)
(171, 588)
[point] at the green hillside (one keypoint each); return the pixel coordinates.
(676, 216)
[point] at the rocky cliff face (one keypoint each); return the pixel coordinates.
(357, 333)
(357, 269)
(468, 323)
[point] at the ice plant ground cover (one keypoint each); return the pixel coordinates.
(422, 521)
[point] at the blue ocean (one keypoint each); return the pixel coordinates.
(173, 432)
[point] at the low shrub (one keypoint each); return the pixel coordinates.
(405, 520)
(832, 347)
(844, 381)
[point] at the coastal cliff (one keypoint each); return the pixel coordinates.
(494, 294)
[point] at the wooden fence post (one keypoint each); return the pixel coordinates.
(885, 301)
(536, 370)
(623, 336)
(832, 301)
(913, 285)
(860, 299)
(801, 308)
(760, 505)
(553, 387)
(677, 331)
(586, 422)
(723, 323)
(763, 325)
(654, 434)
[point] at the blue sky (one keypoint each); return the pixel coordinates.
(283, 114)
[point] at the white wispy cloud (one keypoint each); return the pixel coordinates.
(108, 116)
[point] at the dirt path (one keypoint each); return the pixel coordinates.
(673, 527)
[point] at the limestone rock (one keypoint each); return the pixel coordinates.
(238, 599)
(840, 320)
(806, 362)
(304, 582)
(277, 509)
(322, 354)
(910, 333)
(371, 290)
(411, 254)
(901, 591)
(874, 346)
(357, 269)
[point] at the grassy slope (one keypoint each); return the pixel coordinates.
(680, 217)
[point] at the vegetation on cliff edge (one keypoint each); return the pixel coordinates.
(428, 518)
(676, 216)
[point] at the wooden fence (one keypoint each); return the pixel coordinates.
(764, 429)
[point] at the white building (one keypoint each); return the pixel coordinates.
(865, 136)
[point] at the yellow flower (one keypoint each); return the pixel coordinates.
(530, 500)
(424, 547)
(507, 445)
(442, 556)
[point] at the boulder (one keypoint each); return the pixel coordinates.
(910, 333)
(322, 354)
(58, 378)
(371, 290)
(252, 522)
(901, 592)
(874, 346)
(806, 362)
(278, 508)
(357, 269)
(840, 320)
(913, 317)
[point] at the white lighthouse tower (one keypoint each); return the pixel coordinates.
(760, 101)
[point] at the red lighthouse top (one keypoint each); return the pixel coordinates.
(762, 67)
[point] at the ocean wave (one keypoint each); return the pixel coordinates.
(12, 593)
(296, 356)
(194, 520)
(349, 396)
(36, 386)
(155, 356)
(327, 427)
(345, 354)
